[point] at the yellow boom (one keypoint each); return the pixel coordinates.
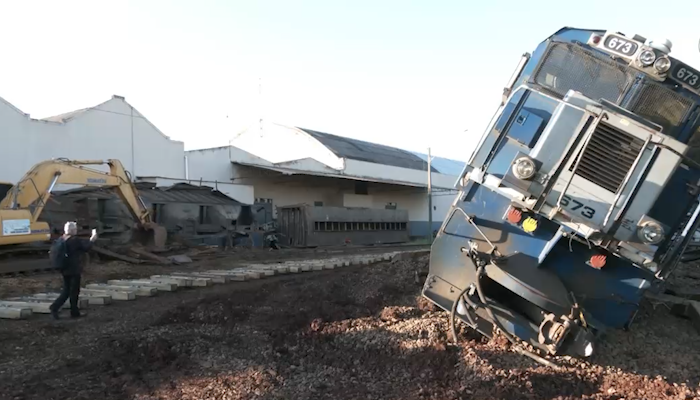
(24, 202)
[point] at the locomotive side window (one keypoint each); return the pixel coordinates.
(501, 124)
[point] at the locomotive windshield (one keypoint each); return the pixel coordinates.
(567, 66)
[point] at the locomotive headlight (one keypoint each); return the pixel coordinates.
(651, 232)
(662, 64)
(647, 57)
(524, 168)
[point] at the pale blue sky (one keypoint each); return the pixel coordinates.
(411, 74)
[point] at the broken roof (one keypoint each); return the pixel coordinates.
(379, 154)
(370, 152)
(177, 193)
(66, 116)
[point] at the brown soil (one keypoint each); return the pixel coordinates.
(353, 333)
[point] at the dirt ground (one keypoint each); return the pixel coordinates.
(101, 270)
(352, 333)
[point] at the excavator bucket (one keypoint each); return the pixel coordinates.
(151, 235)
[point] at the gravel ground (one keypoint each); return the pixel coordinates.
(353, 333)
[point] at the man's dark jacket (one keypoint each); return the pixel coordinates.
(75, 248)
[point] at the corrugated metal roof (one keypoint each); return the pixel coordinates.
(444, 165)
(370, 152)
(183, 193)
(178, 193)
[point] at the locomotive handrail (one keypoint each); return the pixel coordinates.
(471, 221)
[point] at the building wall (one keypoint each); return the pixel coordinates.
(274, 187)
(108, 131)
(415, 203)
(329, 226)
(417, 206)
(185, 218)
(209, 164)
(391, 173)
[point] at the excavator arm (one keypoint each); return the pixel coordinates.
(34, 189)
(30, 195)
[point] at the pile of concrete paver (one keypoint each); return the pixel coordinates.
(100, 294)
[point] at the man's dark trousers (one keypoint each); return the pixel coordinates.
(71, 289)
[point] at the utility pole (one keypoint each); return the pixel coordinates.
(430, 199)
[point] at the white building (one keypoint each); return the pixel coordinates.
(288, 165)
(273, 166)
(113, 129)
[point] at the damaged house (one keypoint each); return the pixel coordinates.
(197, 214)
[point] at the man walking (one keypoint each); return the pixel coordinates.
(72, 268)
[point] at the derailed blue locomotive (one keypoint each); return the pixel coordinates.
(581, 195)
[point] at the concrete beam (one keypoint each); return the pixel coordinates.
(97, 300)
(179, 281)
(277, 268)
(301, 266)
(260, 270)
(91, 299)
(82, 303)
(200, 278)
(163, 287)
(120, 295)
(143, 291)
(249, 274)
(694, 313)
(317, 266)
(199, 281)
(39, 308)
(15, 313)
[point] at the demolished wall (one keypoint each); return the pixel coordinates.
(182, 209)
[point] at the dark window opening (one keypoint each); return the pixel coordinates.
(157, 213)
(203, 214)
(361, 188)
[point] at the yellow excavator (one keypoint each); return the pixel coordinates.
(24, 202)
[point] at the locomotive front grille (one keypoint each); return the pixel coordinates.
(608, 157)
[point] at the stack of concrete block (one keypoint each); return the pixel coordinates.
(131, 289)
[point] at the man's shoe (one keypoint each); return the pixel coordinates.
(77, 315)
(54, 314)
